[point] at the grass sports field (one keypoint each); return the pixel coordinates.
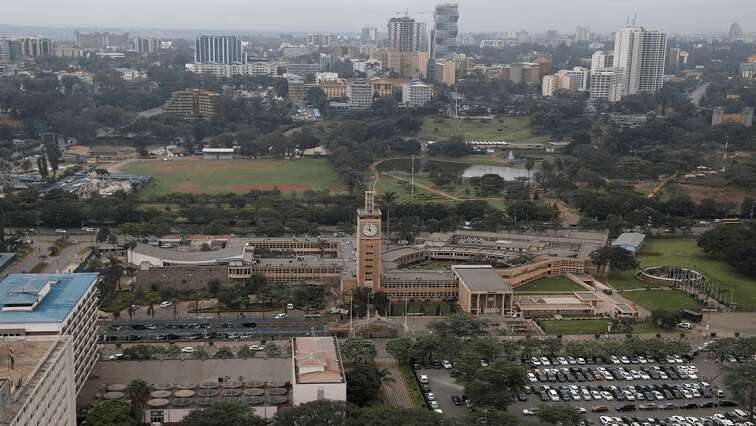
(199, 176)
(559, 283)
(663, 300)
(685, 252)
(510, 129)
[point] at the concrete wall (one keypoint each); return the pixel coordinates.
(306, 392)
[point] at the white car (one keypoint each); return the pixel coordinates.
(115, 357)
(187, 350)
(166, 303)
(430, 396)
(61, 231)
(447, 364)
(535, 361)
(438, 411)
(256, 348)
(532, 378)
(424, 379)
(530, 411)
(581, 410)
(281, 316)
(685, 325)
(545, 361)
(434, 405)
(614, 359)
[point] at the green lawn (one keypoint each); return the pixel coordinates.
(239, 176)
(685, 252)
(592, 326)
(588, 326)
(662, 300)
(558, 283)
(510, 129)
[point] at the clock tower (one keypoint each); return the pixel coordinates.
(369, 244)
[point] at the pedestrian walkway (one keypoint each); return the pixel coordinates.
(395, 394)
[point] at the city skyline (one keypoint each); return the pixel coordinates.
(342, 16)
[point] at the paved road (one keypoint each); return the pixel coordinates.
(68, 257)
(206, 328)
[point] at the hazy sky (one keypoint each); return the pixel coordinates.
(351, 15)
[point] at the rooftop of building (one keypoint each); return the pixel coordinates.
(188, 255)
(317, 360)
(52, 296)
(634, 239)
(30, 355)
(481, 278)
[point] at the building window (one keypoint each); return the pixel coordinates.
(321, 393)
(157, 416)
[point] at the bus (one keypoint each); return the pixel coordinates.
(691, 315)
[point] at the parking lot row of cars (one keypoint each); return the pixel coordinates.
(570, 360)
(640, 392)
(589, 374)
(731, 418)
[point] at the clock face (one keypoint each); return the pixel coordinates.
(370, 230)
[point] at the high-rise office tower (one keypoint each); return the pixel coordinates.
(601, 59)
(369, 34)
(147, 45)
(34, 47)
(640, 54)
(445, 30)
(583, 33)
(218, 50)
(736, 31)
(406, 35)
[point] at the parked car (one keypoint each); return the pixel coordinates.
(187, 350)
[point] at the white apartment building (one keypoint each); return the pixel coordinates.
(601, 60)
(416, 93)
(581, 76)
(641, 54)
(39, 389)
(555, 82)
(317, 370)
(326, 76)
(50, 305)
(606, 85)
(233, 70)
(360, 94)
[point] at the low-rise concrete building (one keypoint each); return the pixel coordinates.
(317, 370)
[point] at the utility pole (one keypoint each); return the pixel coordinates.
(412, 176)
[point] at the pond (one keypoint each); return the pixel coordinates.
(508, 173)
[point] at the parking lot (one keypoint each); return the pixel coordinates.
(631, 389)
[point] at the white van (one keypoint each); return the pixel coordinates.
(424, 379)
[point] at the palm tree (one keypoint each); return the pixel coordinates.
(529, 164)
(388, 199)
(139, 393)
(384, 375)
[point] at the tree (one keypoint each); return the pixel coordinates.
(401, 348)
(616, 257)
(459, 326)
(110, 413)
(383, 415)
(223, 413)
(358, 350)
(323, 412)
(495, 386)
(740, 379)
(363, 384)
(139, 394)
(559, 415)
(272, 350)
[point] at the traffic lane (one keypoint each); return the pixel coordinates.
(213, 332)
(211, 323)
(183, 310)
(443, 386)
